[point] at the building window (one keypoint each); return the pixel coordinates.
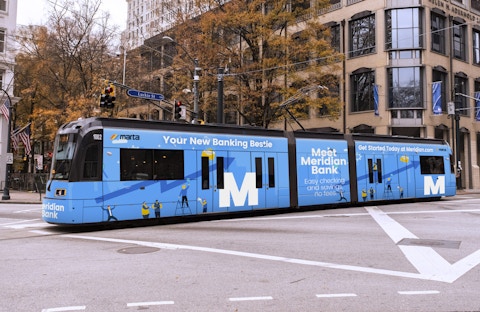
(437, 29)
(2, 40)
(476, 46)
(459, 41)
(405, 87)
(362, 36)
(406, 131)
(404, 29)
(332, 82)
(302, 4)
(475, 4)
(335, 37)
(300, 58)
(3, 5)
(362, 90)
(476, 85)
(461, 101)
(403, 54)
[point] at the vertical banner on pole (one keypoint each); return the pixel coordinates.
(375, 99)
(477, 106)
(437, 97)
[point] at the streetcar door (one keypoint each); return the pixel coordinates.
(406, 180)
(212, 168)
(264, 165)
(232, 181)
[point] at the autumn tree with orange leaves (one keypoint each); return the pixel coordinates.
(270, 51)
(61, 67)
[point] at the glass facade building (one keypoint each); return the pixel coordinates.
(403, 48)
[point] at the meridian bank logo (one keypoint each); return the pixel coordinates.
(124, 138)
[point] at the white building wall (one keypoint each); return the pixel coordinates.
(147, 18)
(8, 20)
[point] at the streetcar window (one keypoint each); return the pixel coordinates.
(452, 165)
(90, 166)
(258, 172)
(379, 167)
(63, 156)
(271, 172)
(432, 165)
(220, 170)
(205, 174)
(169, 165)
(370, 170)
(148, 164)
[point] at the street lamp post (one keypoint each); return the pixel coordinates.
(196, 77)
(6, 192)
(196, 80)
(457, 150)
(124, 64)
(220, 114)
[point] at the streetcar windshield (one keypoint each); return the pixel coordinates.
(63, 156)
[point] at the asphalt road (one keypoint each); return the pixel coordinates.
(408, 257)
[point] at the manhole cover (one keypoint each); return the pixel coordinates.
(138, 250)
(430, 243)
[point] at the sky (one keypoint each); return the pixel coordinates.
(35, 12)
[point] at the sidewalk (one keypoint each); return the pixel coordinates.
(469, 191)
(22, 197)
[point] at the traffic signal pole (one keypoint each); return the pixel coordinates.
(179, 111)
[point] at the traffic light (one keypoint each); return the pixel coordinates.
(103, 99)
(107, 98)
(178, 110)
(111, 96)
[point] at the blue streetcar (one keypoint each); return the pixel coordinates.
(107, 170)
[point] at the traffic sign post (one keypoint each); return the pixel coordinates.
(145, 95)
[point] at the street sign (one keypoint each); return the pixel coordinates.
(9, 158)
(451, 108)
(145, 95)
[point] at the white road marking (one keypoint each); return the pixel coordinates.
(18, 222)
(149, 303)
(335, 295)
(430, 265)
(357, 214)
(251, 298)
(29, 225)
(254, 255)
(418, 292)
(425, 259)
(28, 210)
(40, 232)
(61, 309)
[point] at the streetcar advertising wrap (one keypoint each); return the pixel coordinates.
(108, 170)
(322, 168)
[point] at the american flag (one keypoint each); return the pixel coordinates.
(15, 141)
(25, 137)
(5, 109)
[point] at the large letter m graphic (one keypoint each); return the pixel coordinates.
(238, 195)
